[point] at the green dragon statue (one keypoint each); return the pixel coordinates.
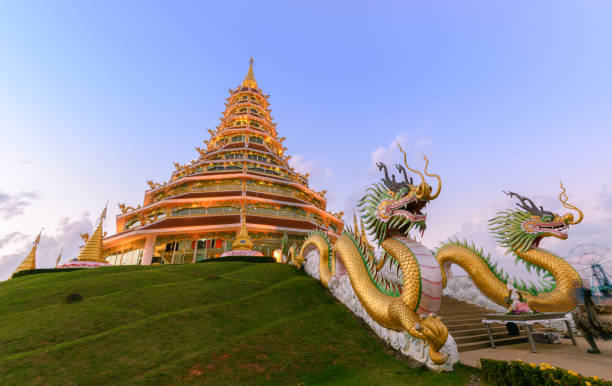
(407, 299)
(520, 231)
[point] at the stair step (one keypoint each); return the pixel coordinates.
(460, 321)
(476, 331)
(450, 313)
(469, 326)
(482, 337)
(485, 344)
(464, 323)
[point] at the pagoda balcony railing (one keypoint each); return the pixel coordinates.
(277, 191)
(266, 212)
(212, 211)
(216, 188)
(232, 210)
(248, 114)
(245, 101)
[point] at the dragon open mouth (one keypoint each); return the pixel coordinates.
(413, 217)
(556, 228)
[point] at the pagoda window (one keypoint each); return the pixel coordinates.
(256, 140)
(238, 138)
(257, 158)
(254, 124)
(133, 223)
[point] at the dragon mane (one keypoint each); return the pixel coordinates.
(508, 230)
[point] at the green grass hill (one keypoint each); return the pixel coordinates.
(213, 323)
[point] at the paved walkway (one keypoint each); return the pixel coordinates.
(562, 355)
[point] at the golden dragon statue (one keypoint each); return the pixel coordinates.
(520, 231)
(406, 300)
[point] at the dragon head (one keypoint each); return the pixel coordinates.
(395, 207)
(520, 230)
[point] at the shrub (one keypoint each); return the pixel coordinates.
(74, 297)
(519, 373)
(248, 259)
(43, 270)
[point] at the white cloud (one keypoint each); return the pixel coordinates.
(320, 173)
(414, 144)
(67, 237)
(13, 205)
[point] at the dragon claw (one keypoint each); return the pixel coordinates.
(436, 334)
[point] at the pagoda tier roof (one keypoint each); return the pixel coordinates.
(249, 103)
(237, 193)
(236, 199)
(197, 225)
(229, 115)
(234, 160)
(251, 220)
(174, 200)
(244, 130)
(240, 175)
(241, 146)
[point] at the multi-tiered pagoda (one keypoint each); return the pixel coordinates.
(196, 215)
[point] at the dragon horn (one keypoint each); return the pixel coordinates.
(408, 167)
(432, 175)
(563, 198)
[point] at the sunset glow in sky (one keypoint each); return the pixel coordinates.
(98, 98)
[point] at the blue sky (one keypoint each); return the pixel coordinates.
(97, 98)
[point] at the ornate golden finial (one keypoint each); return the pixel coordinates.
(338, 215)
(103, 215)
(249, 79)
(153, 185)
(355, 223)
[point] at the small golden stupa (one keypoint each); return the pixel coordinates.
(243, 245)
(91, 254)
(92, 250)
(243, 241)
(30, 260)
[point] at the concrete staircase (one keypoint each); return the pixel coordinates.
(464, 323)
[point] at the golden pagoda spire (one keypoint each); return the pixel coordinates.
(92, 250)
(58, 258)
(249, 79)
(243, 242)
(30, 260)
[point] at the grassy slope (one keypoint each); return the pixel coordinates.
(224, 323)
